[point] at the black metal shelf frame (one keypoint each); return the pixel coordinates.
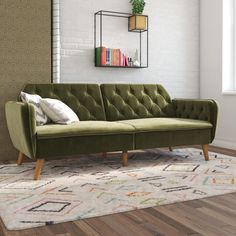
(103, 13)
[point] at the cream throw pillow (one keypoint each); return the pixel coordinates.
(34, 99)
(58, 111)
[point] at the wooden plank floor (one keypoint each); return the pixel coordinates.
(210, 216)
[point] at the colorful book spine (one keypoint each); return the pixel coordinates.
(118, 57)
(98, 56)
(110, 57)
(114, 55)
(107, 56)
(103, 56)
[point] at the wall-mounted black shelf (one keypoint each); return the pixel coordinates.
(130, 67)
(98, 41)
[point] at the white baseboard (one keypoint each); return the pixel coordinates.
(224, 144)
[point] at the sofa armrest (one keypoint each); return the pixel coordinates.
(206, 110)
(21, 124)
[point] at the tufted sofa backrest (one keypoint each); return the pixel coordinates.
(133, 101)
(84, 99)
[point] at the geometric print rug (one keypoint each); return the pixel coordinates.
(91, 185)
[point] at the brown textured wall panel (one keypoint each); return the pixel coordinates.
(25, 54)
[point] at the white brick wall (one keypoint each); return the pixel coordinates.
(56, 41)
(173, 41)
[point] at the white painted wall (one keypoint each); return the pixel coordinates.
(174, 44)
(211, 71)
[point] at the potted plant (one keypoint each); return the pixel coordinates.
(137, 21)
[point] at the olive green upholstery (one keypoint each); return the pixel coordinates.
(87, 128)
(84, 99)
(159, 132)
(166, 124)
(99, 136)
(57, 147)
(113, 117)
(144, 140)
(126, 101)
(206, 110)
(21, 124)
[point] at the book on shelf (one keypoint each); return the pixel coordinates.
(110, 57)
(107, 56)
(100, 56)
(114, 57)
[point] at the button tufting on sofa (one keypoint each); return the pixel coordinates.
(113, 117)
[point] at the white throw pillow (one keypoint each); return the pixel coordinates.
(58, 111)
(34, 99)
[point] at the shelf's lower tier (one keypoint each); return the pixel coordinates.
(130, 67)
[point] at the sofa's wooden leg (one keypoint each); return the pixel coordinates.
(125, 158)
(38, 167)
(170, 149)
(20, 159)
(205, 151)
(104, 154)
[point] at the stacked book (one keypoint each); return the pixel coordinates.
(110, 57)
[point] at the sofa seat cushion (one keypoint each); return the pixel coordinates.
(83, 128)
(166, 124)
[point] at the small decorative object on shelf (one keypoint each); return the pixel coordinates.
(136, 61)
(138, 22)
(130, 61)
(116, 58)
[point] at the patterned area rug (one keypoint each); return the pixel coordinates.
(92, 186)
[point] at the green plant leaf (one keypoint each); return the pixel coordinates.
(138, 6)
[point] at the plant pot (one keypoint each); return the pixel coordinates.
(137, 22)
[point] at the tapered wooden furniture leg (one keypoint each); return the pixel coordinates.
(170, 149)
(205, 151)
(20, 159)
(104, 155)
(38, 167)
(125, 158)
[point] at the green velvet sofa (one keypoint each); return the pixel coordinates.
(113, 117)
